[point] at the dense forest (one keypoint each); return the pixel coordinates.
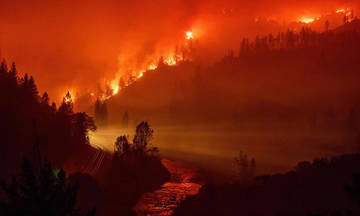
(295, 79)
(60, 172)
(30, 123)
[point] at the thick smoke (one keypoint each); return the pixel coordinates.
(80, 45)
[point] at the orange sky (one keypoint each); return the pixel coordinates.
(80, 44)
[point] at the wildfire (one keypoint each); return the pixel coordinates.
(69, 97)
(189, 35)
(307, 20)
(114, 86)
(349, 13)
(140, 75)
(67, 100)
(170, 58)
(170, 61)
(152, 67)
(340, 11)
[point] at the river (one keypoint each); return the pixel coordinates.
(163, 201)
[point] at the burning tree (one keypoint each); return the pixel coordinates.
(67, 105)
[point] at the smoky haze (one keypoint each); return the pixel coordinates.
(80, 45)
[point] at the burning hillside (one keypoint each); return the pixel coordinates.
(107, 45)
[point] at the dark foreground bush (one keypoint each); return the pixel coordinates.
(39, 190)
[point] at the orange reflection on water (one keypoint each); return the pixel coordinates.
(162, 202)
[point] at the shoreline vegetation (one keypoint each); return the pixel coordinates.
(322, 187)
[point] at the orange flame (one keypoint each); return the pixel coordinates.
(72, 97)
(170, 58)
(189, 35)
(307, 20)
(114, 86)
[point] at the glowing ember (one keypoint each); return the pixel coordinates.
(170, 58)
(189, 35)
(69, 98)
(152, 67)
(170, 61)
(349, 13)
(340, 11)
(114, 85)
(307, 20)
(115, 88)
(140, 75)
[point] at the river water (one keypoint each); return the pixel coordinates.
(163, 201)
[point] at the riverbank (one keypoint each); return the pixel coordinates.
(184, 182)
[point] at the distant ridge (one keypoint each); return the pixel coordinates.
(348, 27)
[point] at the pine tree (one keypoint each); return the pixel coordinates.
(13, 74)
(32, 87)
(53, 107)
(143, 135)
(125, 120)
(121, 146)
(3, 69)
(25, 81)
(45, 99)
(67, 105)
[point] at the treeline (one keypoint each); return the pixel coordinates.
(306, 38)
(324, 187)
(29, 120)
(294, 79)
(302, 79)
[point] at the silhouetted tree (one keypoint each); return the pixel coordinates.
(53, 107)
(32, 88)
(3, 69)
(143, 135)
(22, 106)
(39, 193)
(125, 120)
(101, 113)
(122, 145)
(24, 82)
(13, 75)
(45, 99)
(327, 24)
(67, 105)
(245, 169)
(82, 124)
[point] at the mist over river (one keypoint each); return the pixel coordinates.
(212, 149)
